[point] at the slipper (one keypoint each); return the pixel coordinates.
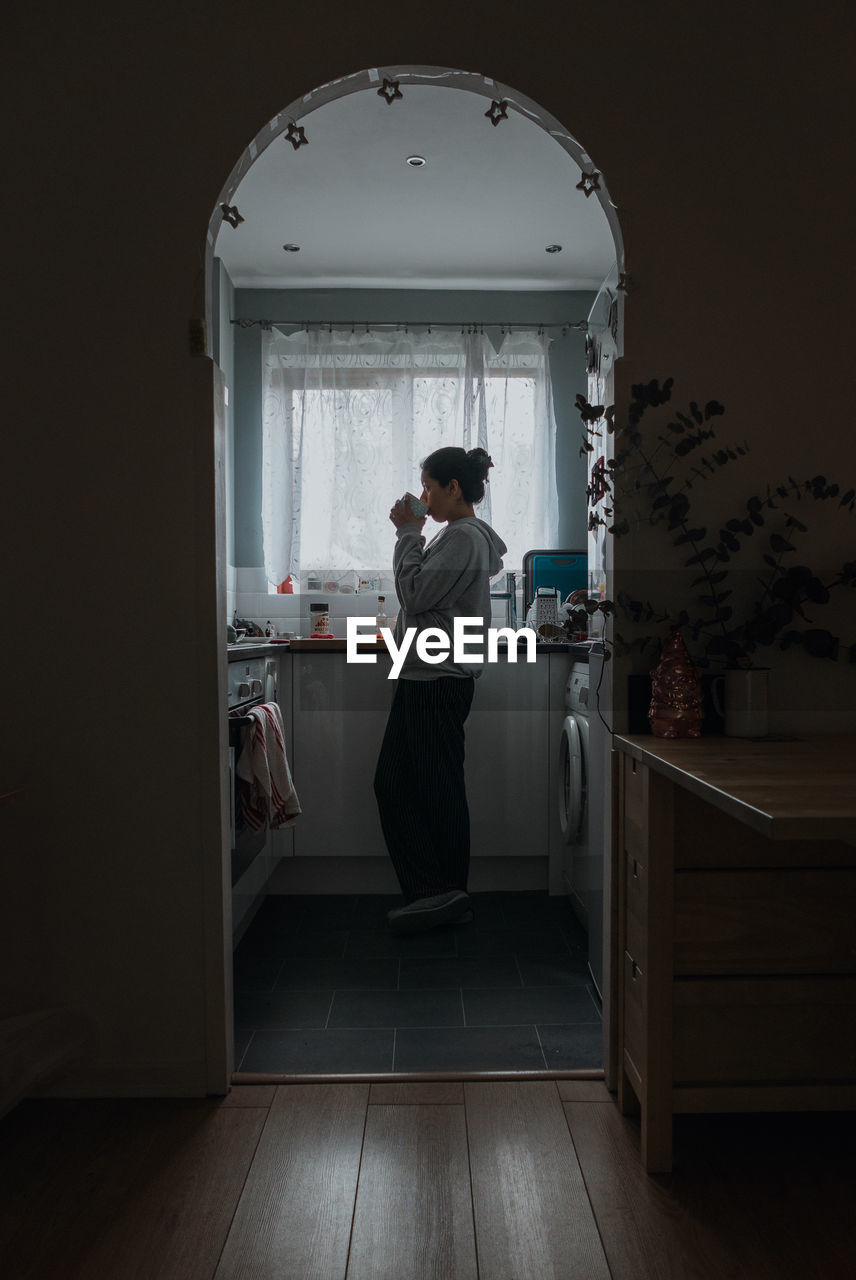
(427, 913)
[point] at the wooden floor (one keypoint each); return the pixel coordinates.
(496, 1180)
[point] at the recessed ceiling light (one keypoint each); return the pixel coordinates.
(416, 162)
(554, 248)
(291, 248)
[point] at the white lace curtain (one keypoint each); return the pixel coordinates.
(347, 419)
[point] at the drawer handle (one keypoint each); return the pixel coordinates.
(633, 969)
(635, 869)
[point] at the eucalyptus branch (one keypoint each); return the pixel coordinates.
(637, 468)
(690, 539)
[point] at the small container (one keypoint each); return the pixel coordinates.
(313, 583)
(319, 619)
(381, 619)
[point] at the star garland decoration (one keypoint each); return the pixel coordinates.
(296, 135)
(230, 214)
(390, 91)
(497, 111)
(589, 182)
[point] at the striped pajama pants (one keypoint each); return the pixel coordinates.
(419, 785)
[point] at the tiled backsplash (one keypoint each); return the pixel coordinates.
(246, 594)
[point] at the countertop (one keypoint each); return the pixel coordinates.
(796, 790)
(264, 649)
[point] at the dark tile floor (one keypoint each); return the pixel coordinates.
(322, 986)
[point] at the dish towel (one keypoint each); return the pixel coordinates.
(269, 795)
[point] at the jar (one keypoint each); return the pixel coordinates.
(319, 619)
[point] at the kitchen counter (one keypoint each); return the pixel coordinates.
(335, 715)
(263, 648)
(252, 649)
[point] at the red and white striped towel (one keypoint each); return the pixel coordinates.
(269, 796)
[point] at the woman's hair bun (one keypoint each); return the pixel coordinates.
(482, 460)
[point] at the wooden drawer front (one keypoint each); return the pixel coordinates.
(635, 797)
(636, 898)
(775, 922)
(776, 1030)
(635, 1012)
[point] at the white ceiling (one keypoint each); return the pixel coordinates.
(478, 215)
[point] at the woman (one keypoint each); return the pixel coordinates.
(419, 781)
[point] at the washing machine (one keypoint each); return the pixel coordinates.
(573, 788)
(579, 797)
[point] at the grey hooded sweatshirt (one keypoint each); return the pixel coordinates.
(448, 579)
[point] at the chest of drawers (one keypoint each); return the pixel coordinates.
(736, 937)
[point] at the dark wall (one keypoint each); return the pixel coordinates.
(724, 132)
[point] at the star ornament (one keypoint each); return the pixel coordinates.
(498, 111)
(390, 91)
(231, 215)
(589, 182)
(296, 135)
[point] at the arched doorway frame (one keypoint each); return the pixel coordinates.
(606, 316)
(373, 79)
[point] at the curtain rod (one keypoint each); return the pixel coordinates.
(419, 324)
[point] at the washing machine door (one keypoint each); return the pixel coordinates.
(572, 781)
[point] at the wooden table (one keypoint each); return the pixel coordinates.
(736, 873)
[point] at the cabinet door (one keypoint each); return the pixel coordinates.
(507, 762)
(339, 715)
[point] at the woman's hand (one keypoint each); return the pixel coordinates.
(402, 513)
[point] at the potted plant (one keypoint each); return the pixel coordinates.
(660, 475)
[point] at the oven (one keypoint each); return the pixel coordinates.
(251, 682)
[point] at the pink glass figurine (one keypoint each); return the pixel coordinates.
(676, 697)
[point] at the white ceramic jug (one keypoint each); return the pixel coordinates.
(745, 701)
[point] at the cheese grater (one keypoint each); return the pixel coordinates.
(546, 606)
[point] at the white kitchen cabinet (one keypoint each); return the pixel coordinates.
(339, 714)
(507, 766)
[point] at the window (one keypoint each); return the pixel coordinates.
(348, 418)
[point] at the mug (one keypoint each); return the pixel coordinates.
(417, 506)
(745, 697)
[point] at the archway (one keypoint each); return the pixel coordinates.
(294, 125)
